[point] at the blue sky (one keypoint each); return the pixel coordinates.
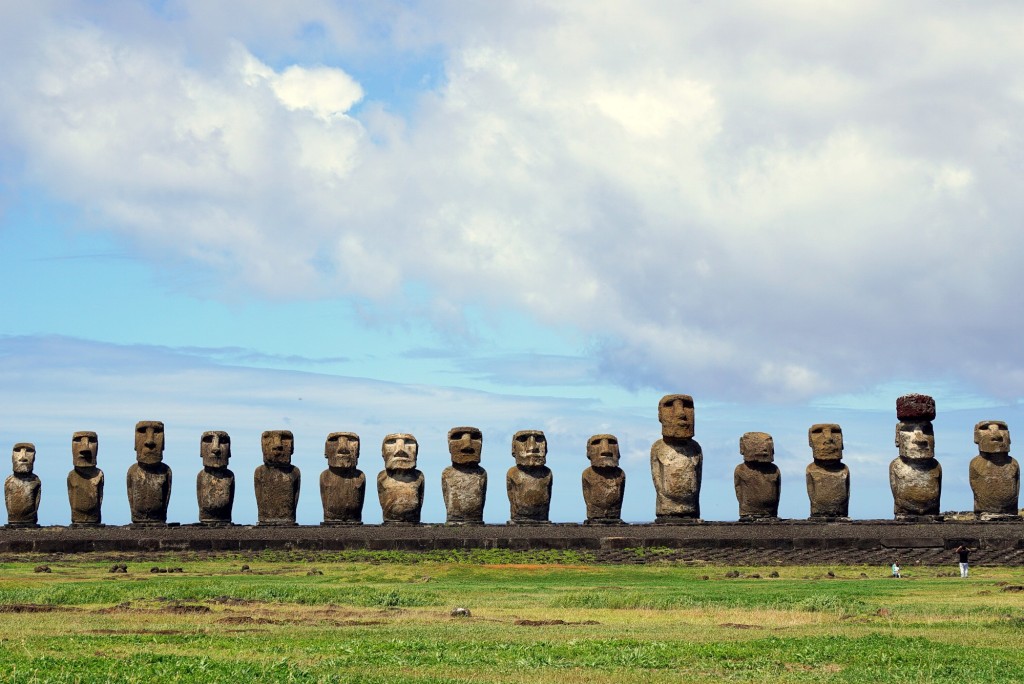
(402, 217)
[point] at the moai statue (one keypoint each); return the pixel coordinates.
(149, 479)
(85, 481)
(828, 478)
(277, 481)
(995, 475)
(342, 485)
(22, 488)
(915, 476)
(757, 480)
(604, 483)
(528, 482)
(400, 484)
(464, 482)
(676, 462)
(215, 484)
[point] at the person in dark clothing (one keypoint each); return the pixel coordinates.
(964, 553)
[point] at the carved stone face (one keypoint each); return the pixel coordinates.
(826, 440)
(992, 437)
(529, 448)
(399, 451)
(149, 441)
(342, 450)
(675, 413)
(278, 446)
(85, 447)
(916, 440)
(23, 458)
(757, 446)
(603, 451)
(215, 448)
(465, 445)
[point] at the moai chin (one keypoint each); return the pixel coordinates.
(915, 477)
(215, 484)
(604, 482)
(400, 484)
(994, 474)
(528, 482)
(85, 481)
(464, 482)
(149, 478)
(342, 485)
(828, 478)
(676, 462)
(757, 480)
(277, 481)
(22, 488)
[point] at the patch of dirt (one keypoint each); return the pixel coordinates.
(546, 623)
(33, 608)
(186, 608)
(231, 601)
(737, 625)
(355, 623)
(247, 620)
(1013, 588)
(136, 631)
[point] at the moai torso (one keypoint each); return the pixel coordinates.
(676, 461)
(604, 483)
(85, 481)
(215, 484)
(342, 485)
(994, 474)
(400, 484)
(464, 482)
(277, 481)
(528, 483)
(149, 479)
(22, 488)
(828, 478)
(757, 480)
(915, 477)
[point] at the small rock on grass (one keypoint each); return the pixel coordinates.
(460, 612)
(41, 568)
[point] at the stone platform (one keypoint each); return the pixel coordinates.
(792, 542)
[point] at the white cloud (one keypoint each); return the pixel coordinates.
(742, 200)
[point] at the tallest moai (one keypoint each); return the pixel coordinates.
(676, 462)
(915, 476)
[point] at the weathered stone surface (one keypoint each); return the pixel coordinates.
(604, 482)
(676, 461)
(994, 474)
(757, 480)
(342, 485)
(277, 481)
(915, 477)
(215, 484)
(85, 481)
(400, 485)
(149, 479)
(22, 487)
(464, 482)
(914, 407)
(528, 482)
(828, 479)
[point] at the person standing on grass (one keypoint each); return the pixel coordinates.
(964, 553)
(896, 569)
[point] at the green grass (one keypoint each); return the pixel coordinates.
(535, 619)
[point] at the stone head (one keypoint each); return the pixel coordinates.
(757, 447)
(530, 448)
(675, 413)
(465, 445)
(915, 439)
(149, 441)
(85, 447)
(215, 448)
(603, 451)
(278, 447)
(399, 450)
(826, 440)
(341, 449)
(23, 458)
(992, 437)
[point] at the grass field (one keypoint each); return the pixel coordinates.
(535, 618)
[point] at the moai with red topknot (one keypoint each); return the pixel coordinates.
(915, 476)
